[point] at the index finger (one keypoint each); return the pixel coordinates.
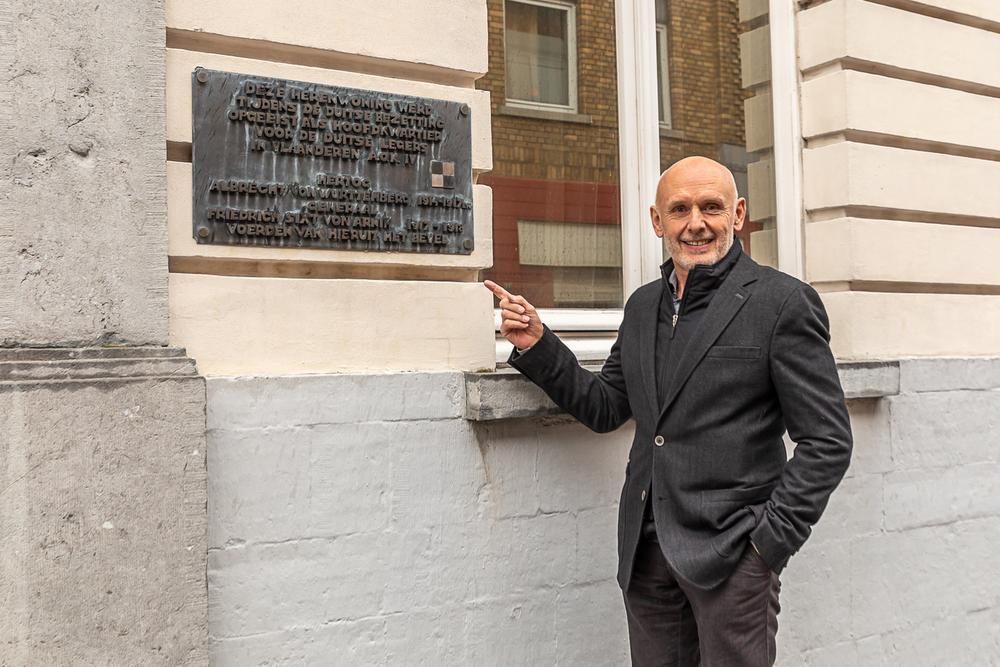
(500, 292)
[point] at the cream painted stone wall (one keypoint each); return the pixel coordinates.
(259, 311)
(288, 326)
(449, 34)
(889, 250)
(847, 100)
(855, 174)
(899, 39)
(877, 325)
(900, 171)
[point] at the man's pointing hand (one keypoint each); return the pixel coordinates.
(519, 321)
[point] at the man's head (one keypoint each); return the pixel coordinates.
(697, 211)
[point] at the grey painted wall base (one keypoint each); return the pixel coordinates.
(102, 507)
(363, 519)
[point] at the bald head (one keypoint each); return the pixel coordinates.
(698, 169)
(697, 212)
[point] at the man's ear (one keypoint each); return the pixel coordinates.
(654, 216)
(741, 214)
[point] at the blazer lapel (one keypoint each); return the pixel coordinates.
(648, 313)
(731, 297)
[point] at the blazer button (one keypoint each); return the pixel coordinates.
(644, 494)
(658, 440)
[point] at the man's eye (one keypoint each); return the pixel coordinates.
(678, 209)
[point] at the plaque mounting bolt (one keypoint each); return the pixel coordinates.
(203, 232)
(467, 244)
(202, 76)
(464, 109)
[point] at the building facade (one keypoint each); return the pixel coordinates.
(244, 454)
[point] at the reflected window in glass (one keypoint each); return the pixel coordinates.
(540, 48)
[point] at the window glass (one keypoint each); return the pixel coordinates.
(717, 72)
(555, 179)
(556, 222)
(538, 57)
(663, 75)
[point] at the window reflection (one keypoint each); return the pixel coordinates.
(554, 89)
(539, 52)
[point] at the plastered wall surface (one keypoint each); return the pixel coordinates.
(102, 509)
(82, 207)
(350, 519)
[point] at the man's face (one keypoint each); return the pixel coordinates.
(697, 212)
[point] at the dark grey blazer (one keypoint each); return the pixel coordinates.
(759, 363)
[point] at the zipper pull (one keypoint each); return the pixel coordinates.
(673, 325)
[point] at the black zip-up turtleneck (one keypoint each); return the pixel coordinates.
(674, 329)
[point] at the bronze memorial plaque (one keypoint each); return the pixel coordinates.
(289, 164)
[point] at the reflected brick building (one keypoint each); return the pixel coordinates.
(558, 164)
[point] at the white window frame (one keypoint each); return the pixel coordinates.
(570, 10)
(590, 332)
(663, 41)
(787, 143)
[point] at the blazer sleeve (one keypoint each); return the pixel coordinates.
(808, 388)
(597, 400)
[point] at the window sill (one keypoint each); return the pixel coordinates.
(670, 133)
(545, 114)
(506, 394)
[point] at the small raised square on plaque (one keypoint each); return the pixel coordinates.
(289, 164)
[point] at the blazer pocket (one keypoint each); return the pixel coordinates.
(747, 495)
(734, 351)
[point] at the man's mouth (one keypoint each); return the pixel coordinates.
(697, 244)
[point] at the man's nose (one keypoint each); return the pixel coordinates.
(696, 220)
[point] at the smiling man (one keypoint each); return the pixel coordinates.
(715, 361)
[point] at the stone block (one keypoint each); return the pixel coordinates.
(855, 509)
(505, 394)
(426, 637)
(898, 580)
(437, 474)
(102, 509)
(437, 39)
(590, 625)
(307, 400)
(869, 379)
(918, 375)
(817, 573)
(268, 587)
(580, 469)
(83, 154)
(252, 325)
(284, 484)
(966, 639)
(524, 554)
(435, 568)
(596, 545)
(358, 642)
(513, 630)
(854, 653)
(870, 426)
(941, 495)
(945, 428)
(510, 454)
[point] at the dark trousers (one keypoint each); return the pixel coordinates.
(671, 623)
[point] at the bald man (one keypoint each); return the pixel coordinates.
(715, 362)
